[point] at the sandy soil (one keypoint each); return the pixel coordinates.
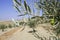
(17, 34)
(8, 33)
(24, 35)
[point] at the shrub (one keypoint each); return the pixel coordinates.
(21, 23)
(10, 26)
(3, 27)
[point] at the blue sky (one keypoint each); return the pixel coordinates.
(7, 11)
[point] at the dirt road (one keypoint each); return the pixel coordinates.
(24, 35)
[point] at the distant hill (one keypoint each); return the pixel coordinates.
(6, 22)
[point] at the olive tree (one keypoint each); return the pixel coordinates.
(25, 9)
(50, 8)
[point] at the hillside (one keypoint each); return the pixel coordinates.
(43, 30)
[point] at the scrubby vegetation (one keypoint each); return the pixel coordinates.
(3, 27)
(10, 26)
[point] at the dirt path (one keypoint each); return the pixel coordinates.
(17, 34)
(9, 33)
(24, 35)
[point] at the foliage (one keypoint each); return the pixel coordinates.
(2, 27)
(28, 11)
(10, 26)
(21, 23)
(57, 28)
(51, 9)
(24, 6)
(31, 23)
